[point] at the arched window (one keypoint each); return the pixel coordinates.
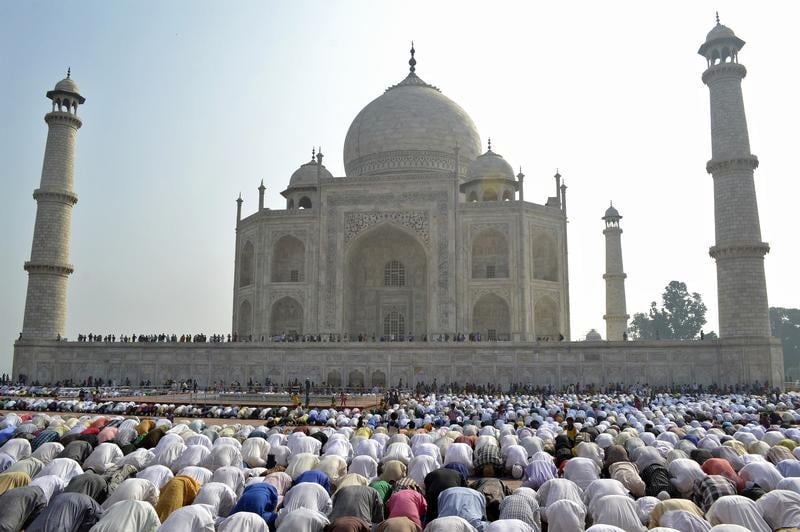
(247, 265)
(394, 324)
(473, 197)
(288, 260)
(394, 274)
(304, 203)
(489, 195)
(290, 203)
(507, 196)
(490, 255)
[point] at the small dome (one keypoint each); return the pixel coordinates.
(720, 31)
(306, 175)
(67, 85)
(490, 165)
(611, 212)
(593, 336)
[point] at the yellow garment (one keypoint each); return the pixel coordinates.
(737, 446)
(178, 492)
(672, 504)
(365, 432)
(789, 444)
(145, 426)
(9, 481)
(393, 470)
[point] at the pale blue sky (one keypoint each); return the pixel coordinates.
(191, 102)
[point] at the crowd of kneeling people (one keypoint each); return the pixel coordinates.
(439, 463)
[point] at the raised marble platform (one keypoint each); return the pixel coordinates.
(729, 361)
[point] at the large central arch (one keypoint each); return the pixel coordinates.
(374, 288)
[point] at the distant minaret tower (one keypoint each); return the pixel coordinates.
(49, 267)
(616, 314)
(739, 251)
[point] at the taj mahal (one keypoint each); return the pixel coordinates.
(424, 261)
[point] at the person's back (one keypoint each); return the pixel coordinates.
(357, 501)
(463, 502)
(436, 482)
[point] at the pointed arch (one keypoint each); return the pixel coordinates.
(473, 197)
(286, 317)
(490, 194)
(288, 260)
(247, 265)
(304, 203)
(491, 318)
(490, 255)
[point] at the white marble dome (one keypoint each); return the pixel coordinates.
(490, 165)
(720, 31)
(67, 85)
(306, 175)
(412, 127)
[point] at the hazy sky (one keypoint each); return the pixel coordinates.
(190, 102)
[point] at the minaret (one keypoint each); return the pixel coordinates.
(521, 180)
(49, 267)
(739, 251)
(616, 314)
(239, 201)
(261, 189)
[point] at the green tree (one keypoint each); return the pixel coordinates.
(785, 323)
(681, 317)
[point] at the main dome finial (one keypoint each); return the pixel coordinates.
(412, 61)
(717, 13)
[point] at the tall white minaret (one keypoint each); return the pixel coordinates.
(49, 267)
(616, 314)
(739, 251)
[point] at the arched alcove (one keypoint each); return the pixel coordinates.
(385, 271)
(491, 317)
(490, 255)
(245, 320)
(247, 265)
(545, 257)
(355, 379)
(379, 378)
(334, 378)
(286, 317)
(288, 260)
(490, 194)
(545, 319)
(473, 197)
(304, 203)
